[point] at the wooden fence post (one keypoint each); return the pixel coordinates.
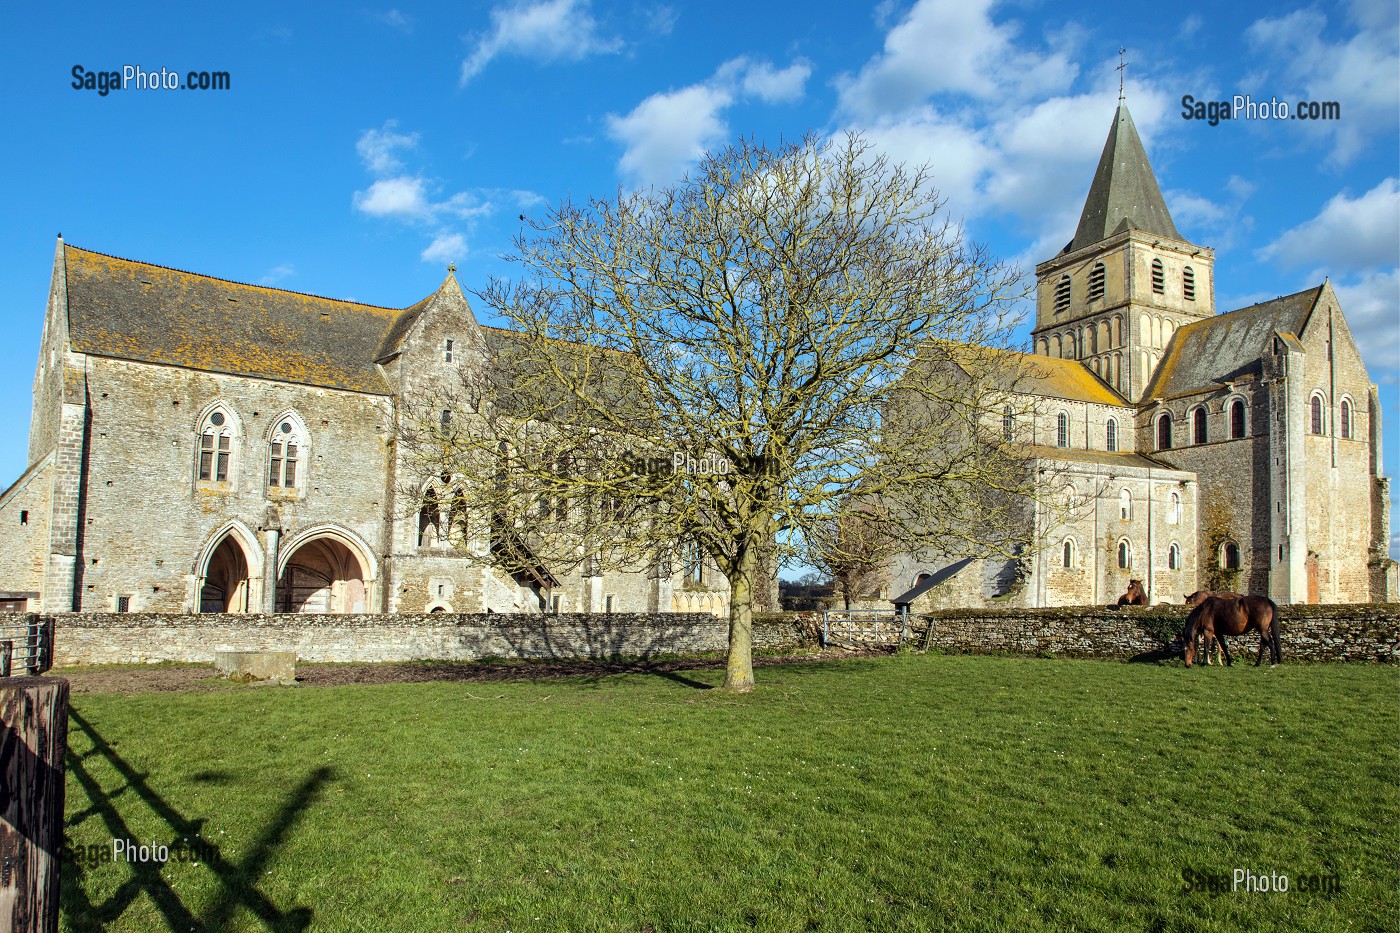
(33, 741)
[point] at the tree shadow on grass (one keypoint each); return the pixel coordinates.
(236, 887)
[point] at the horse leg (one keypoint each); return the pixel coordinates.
(1220, 639)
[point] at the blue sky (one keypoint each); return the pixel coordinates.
(359, 151)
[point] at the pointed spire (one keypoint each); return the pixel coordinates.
(1124, 194)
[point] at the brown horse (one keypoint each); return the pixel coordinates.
(1136, 595)
(1211, 641)
(1218, 616)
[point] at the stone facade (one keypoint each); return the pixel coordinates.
(198, 445)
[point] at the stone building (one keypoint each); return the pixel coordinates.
(1182, 447)
(198, 444)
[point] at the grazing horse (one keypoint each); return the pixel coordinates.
(1212, 641)
(1136, 595)
(1218, 616)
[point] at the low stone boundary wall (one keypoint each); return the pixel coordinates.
(126, 638)
(1351, 632)
(1357, 632)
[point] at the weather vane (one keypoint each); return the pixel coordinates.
(1122, 66)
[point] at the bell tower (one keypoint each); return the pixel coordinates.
(1116, 293)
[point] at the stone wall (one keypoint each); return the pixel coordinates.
(1356, 632)
(149, 637)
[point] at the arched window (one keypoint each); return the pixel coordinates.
(1174, 556)
(1188, 284)
(1315, 424)
(1062, 430)
(1125, 505)
(1198, 426)
(429, 517)
(286, 452)
(1111, 435)
(1062, 294)
(1067, 554)
(1096, 278)
(1055, 349)
(457, 518)
(1345, 418)
(1159, 278)
(1230, 556)
(1008, 423)
(1125, 555)
(1071, 351)
(1173, 508)
(1164, 431)
(693, 564)
(1237, 424)
(216, 433)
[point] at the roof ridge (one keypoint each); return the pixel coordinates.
(215, 278)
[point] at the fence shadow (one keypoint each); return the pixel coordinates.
(236, 887)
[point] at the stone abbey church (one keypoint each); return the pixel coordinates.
(203, 445)
(1183, 447)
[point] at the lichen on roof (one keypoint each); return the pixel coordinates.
(1032, 374)
(1206, 354)
(140, 311)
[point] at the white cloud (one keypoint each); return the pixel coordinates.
(974, 57)
(446, 247)
(277, 274)
(1348, 234)
(775, 87)
(1372, 308)
(396, 19)
(394, 197)
(553, 30)
(670, 130)
(667, 132)
(1358, 72)
(377, 147)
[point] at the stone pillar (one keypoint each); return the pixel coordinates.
(1288, 539)
(271, 532)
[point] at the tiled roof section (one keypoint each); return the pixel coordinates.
(1124, 194)
(1205, 354)
(1103, 457)
(138, 311)
(1032, 374)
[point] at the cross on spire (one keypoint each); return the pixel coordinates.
(1122, 67)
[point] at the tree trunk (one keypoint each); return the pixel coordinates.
(738, 675)
(33, 740)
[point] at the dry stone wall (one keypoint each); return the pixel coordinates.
(149, 637)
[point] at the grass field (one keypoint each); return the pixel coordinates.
(902, 793)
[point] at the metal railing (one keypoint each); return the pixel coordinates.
(855, 627)
(26, 647)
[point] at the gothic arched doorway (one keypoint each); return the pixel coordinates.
(226, 580)
(322, 575)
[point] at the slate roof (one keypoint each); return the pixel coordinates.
(1204, 354)
(138, 311)
(1124, 194)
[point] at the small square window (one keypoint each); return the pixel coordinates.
(123, 603)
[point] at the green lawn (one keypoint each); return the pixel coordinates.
(904, 793)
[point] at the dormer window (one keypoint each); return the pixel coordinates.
(1096, 281)
(1159, 278)
(1062, 294)
(1188, 284)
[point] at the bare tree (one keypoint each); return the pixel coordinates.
(722, 363)
(854, 547)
